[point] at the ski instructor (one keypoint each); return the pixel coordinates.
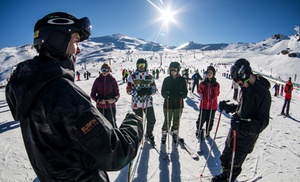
(66, 137)
(250, 118)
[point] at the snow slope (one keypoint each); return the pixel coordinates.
(276, 156)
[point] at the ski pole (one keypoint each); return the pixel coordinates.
(233, 154)
(113, 116)
(201, 175)
(180, 113)
(168, 117)
(145, 110)
(130, 171)
(209, 119)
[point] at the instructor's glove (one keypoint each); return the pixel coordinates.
(235, 123)
(131, 120)
(229, 108)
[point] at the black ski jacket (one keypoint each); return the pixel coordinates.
(253, 112)
(174, 89)
(65, 136)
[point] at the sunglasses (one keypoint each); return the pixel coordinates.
(105, 69)
(143, 65)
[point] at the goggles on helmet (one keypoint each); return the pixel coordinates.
(85, 27)
(104, 69)
(143, 65)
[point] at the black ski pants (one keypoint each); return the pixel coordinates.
(287, 105)
(226, 158)
(207, 116)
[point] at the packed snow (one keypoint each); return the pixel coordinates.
(276, 156)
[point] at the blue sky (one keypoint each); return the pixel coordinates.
(201, 21)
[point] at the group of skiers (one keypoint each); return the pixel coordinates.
(68, 139)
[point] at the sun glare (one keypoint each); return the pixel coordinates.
(167, 16)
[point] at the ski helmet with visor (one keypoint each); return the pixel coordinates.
(241, 70)
(53, 32)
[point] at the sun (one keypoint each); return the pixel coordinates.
(167, 16)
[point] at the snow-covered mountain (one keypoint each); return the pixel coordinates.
(102, 48)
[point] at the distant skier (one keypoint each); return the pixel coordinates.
(196, 78)
(288, 89)
(250, 119)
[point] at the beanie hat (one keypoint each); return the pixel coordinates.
(212, 69)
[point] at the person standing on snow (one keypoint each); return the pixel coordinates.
(250, 118)
(141, 86)
(105, 92)
(173, 90)
(288, 88)
(65, 136)
(196, 77)
(209, 90)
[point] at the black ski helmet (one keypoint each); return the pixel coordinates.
(241, 70)
(175, 65)
(53, 32)
(142, 60)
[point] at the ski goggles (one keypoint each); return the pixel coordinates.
(173, 69)
(104, 69)
(85, 27)
(143, 65)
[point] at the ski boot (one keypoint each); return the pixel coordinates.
(164, 137)
(175, 136)
(223, 177)
(220, 178)
(150, 138)
(201, 134)
(207, 135)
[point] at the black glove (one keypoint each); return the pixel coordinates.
(144, 91)
(135, 120)
(180, 95)
(229, 108)
(166, 94)
(222, 104)
(236, 123)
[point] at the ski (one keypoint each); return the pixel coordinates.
(189, 150)
(161, 153)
